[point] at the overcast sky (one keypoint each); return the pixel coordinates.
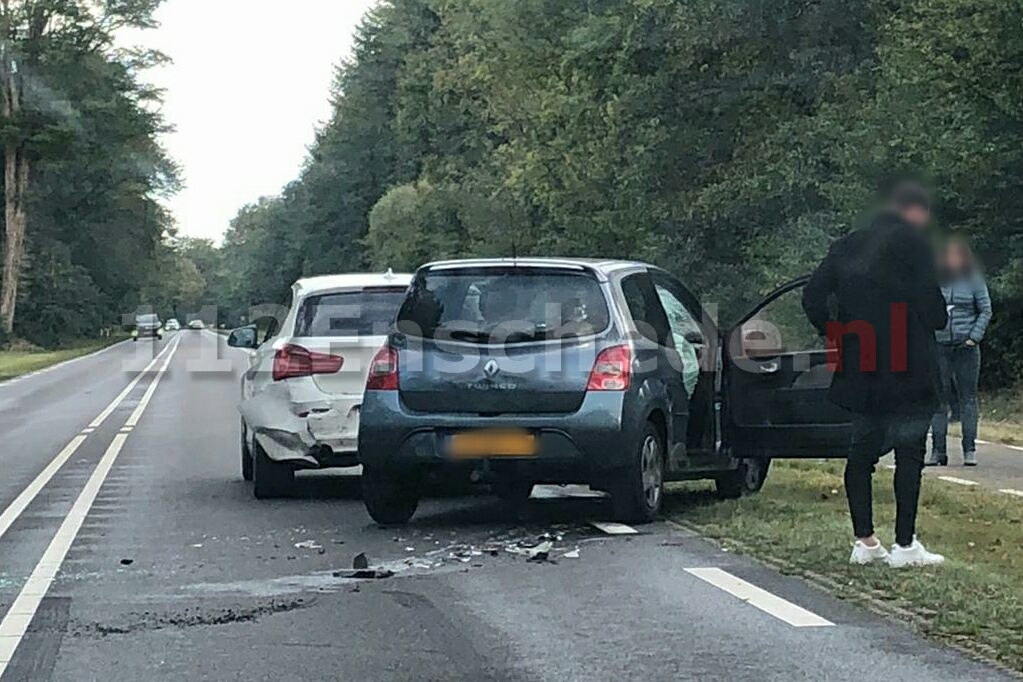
(249, 84)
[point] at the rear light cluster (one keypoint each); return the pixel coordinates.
(291, 362)
(612, 370)
(383, 371)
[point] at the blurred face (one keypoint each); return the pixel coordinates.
(917, 216)
(955, 259)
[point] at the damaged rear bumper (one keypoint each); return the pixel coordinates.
(319, 432)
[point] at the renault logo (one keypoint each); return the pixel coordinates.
(491, 369)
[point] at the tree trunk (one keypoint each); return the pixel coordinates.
(16, 177)
(16, 174)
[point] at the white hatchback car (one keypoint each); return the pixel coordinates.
(302, 390)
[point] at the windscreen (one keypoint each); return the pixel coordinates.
(504, 305)
(369, 312)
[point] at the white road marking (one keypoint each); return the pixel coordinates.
(98, 421)
(1015, 447)
(1010, 491)
(614, 528)
(21, 502)
(771, 604)
(957, 481)
(15, 624)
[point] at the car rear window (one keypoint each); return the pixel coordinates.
(147, 319)
(504, 305)
(369, 312)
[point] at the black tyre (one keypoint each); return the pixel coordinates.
(391, 498)
(272, 479)
(638, 496)
(748, 478)
(246, 454)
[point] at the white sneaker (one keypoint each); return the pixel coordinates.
(914, 555)
(864, 554)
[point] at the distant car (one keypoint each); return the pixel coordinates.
(531, 371)
(302, 392)
(147, 326)
(197, 325)
(172, 325)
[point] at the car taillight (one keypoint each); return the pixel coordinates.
(383, 371)
(291, 362)
(612, 370)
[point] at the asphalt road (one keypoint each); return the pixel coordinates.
(144, 556)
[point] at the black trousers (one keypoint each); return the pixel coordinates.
(873, 437)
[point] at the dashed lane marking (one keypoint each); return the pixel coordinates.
(21, 502)
(771, 604)
(957, 481)
(16, 623)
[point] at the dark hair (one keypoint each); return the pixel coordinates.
(910, 194)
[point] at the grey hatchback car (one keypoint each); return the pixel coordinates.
(609, 373)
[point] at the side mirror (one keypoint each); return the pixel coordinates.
(695, 338)
(245, 337)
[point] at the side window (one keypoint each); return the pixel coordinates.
(646, 310)
(779, 327)
(686, 334)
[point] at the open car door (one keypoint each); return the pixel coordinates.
(777, 372)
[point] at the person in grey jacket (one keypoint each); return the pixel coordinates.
(969, 313)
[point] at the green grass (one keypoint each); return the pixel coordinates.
(1001, 417)
(15, 363)
(800, 522)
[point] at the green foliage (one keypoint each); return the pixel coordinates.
(90, 125)
(730, 141)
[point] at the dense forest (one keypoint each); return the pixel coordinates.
(728, 140)
(83, 226)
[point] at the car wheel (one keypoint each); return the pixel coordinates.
(246, 454)
(391, 498)
(272, 479)
(746, 479)
(637, 497)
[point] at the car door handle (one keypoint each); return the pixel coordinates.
(770, 367)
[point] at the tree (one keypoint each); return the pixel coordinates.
(35, 37)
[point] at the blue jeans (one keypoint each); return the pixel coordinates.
(960, 371)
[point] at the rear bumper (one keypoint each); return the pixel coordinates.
(578, 447)
(309, 431)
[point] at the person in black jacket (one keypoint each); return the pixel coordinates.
(876, 297)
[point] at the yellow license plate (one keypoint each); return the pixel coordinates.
(477, 444)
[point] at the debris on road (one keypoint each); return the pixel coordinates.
(127, 562)
(574, 554)
(614, 528)
(308, 544)
(360, 562)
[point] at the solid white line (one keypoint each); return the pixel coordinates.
(957, 481)
(773, 605)
(1010, 491)
(15, 624)
(1015, 447)
(21, 502)
(614, 528)
(98, 421)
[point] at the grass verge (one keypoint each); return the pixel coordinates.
(800, 523)
(15, 363)
(1001, 417)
